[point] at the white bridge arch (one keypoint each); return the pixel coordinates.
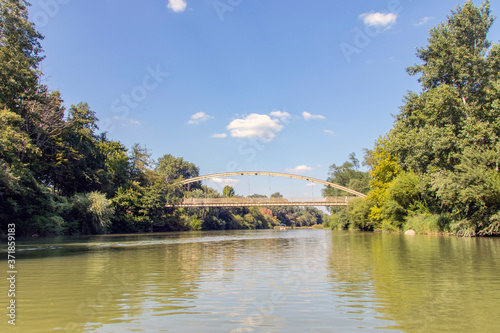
(275, 174)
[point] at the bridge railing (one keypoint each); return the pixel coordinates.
(263, 201)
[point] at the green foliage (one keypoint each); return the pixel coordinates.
(100, 209)
(195, 223)
(404, 197)
(428, 223)
(34, 208)
(228, 192)
(92, 211)
(338, 221)
(172, 168)
(255, 219)
(82, 167)
(134, 208)
(117, 165)
(359, 214)
(347, 175)
(356, 216)
(20, 54)
(472, 191)
(492, 226)
(140, 165)
(14, 142)
(456, 54)
(385, 169)
(426, 168)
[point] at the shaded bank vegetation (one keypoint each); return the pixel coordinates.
(437, 170)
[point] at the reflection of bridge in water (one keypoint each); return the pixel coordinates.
(264, 201)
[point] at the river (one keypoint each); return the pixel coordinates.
(257, 281)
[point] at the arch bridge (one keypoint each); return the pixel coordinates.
(250, 201)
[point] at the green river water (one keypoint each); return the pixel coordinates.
(256, 281)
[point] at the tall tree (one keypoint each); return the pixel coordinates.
(79, 166)
(20, 54)
(172, 168)
(347, 175)
(459, 75)
(456, 54)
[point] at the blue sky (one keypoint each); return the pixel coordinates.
(286, 86)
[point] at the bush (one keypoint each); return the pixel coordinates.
(493, 228)
(195, 223)
(359, 212)
(427, 224)
(92, 211)
(339, 220)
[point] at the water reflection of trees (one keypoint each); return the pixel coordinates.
(350, 261)
(424, 283)
(119, 283)
(108, 285)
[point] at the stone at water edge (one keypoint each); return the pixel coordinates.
(410, 232)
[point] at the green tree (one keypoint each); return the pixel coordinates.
(385, 169)
(20, 54)
(456, 108)
(347, 175)
(358, 211)
(117, 165)
(172, 168)
(141, 165)
(92, 211)
(456, 55)
(80, 165)
(228, 192)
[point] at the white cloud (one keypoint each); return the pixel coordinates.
(423, 21)
(308, 116)
(379, 19)
(255, 126)
(299, 169)
(219, 135)
(311, 184)
(282, 115)
(177, 6)
(329, 132)
(225, 181)
(198, 118)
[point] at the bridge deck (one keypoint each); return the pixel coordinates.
(258, 202)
